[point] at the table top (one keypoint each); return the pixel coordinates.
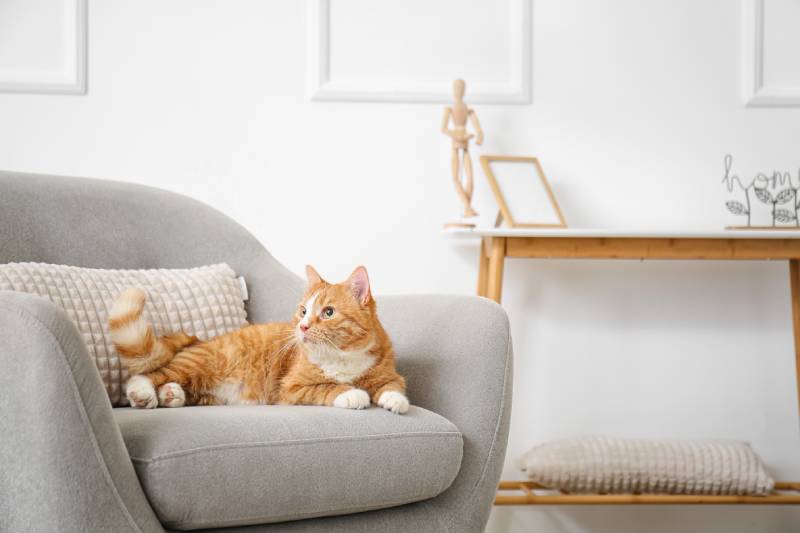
(578, 233)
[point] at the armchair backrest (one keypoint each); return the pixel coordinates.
(105, 224)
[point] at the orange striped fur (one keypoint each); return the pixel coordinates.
(334, 351)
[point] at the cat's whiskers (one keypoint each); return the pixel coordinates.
(284, 338)
(312, 335)
(290, 341)
(328, 340)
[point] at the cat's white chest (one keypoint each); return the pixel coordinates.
(344, 367)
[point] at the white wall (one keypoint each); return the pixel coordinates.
(635, 103)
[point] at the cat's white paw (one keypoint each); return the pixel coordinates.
(141, 393)
(394, 401)
(171, 395)
(352, 399)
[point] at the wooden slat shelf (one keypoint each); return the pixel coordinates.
(530, 493)
(545, 243)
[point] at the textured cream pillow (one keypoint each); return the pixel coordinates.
(615, 465)
(205, 301)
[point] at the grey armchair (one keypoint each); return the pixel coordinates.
(65, 453)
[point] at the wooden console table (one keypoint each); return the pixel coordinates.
(567, 243)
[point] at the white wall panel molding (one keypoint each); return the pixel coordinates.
(513, 87)
(44, 49)
(756, 90)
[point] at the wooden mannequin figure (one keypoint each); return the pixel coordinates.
(459, 113)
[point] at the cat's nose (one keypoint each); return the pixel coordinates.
(304, 327)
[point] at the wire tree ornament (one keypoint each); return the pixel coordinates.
(777, 197)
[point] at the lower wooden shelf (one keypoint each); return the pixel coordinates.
(530, 493)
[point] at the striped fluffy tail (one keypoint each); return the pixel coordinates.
(140, 350)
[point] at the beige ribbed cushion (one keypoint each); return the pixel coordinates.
(205, 301)
(615, 465)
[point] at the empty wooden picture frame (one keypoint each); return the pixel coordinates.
(524, 200)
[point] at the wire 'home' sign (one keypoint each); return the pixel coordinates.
(769, 201)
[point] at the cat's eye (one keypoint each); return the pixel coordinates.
(302, 311)
(327, 312)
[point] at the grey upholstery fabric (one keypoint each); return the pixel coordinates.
(241, 465)
(67, 461)
(63, 464)
(106, 224)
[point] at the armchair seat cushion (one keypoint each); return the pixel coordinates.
(205, 467)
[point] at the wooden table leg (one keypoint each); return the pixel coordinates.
(497, 255)
(483, 267)
(794, 276)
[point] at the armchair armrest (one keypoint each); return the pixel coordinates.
(63, 463)
(456, 355)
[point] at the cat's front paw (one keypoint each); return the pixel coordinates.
(394, 401)
(141, 393)
(171, 395)
(352, 399)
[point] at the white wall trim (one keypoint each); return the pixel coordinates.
(71, 80)
(754, 92)
(516, 90)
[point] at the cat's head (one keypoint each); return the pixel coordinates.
(337, 315)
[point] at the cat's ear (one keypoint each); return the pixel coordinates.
(312, 276)
(359, 284)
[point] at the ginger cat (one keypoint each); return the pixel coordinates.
(333, 352)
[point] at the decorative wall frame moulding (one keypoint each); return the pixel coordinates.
(515, 90)
(71, 78)
(754, 90)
